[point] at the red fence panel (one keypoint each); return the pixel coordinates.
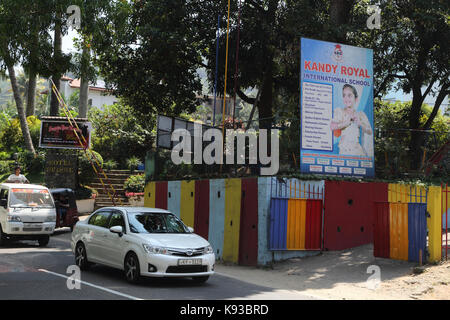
(313, 230)
(381, 237)
(161, 195)
(248, 239)
(348, 220)
(201, 208)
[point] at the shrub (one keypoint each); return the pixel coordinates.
(6, 166)
(110, 165)
(135, 183)
(4, 155)
(85, 192)
(32, 163)
(133, 163)
(86, 173)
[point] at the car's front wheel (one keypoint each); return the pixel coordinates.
(202, 279)
(81, 257)
(43, 241)
(131, 268)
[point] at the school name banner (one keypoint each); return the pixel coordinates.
(337, 130)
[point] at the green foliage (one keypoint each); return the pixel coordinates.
(135, 183)
(392, 138)
(11, 134)
(33, 164)
(133, 163)
(110, 165)
(6, 166)
(84, 192)
(149, 57)
(86, 172)
(119, 130)
(4, 155)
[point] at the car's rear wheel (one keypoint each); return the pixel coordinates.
(202, 279)
(43, 241)
(131, 268)
(81, 257)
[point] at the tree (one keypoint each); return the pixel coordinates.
(10, 31)
(411, 53)
(147, 56)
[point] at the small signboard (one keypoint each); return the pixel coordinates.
(57, 133)
(166, 126)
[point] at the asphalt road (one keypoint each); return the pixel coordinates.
(28, 272)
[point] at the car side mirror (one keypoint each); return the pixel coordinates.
(117, 229)
(191, 229)
(4, 203)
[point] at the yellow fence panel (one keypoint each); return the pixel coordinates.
(398, 193)
(232, 220)
(434, 223)
(398, 225)
(187, 202)
(149, 194)
(296, 224)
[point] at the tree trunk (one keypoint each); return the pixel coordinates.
(20, 109)
(57, 53)
(84, 85)
(340, 15)
(31, 97)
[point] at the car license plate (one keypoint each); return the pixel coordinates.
(189, 262)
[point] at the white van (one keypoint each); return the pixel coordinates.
(27, 212)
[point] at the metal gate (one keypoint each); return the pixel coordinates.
(296, 215)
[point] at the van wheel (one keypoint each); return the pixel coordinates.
(200, 280)
(43, 241)
(2, 237)
(131, 268)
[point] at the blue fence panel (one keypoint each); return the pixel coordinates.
(278, 223)
(417, 231)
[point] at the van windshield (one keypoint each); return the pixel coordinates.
(30, 198)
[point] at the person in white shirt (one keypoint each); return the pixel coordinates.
(17, 177)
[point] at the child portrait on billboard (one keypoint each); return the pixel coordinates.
(347, 123)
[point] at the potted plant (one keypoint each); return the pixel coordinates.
(85, 198)
(134, 189)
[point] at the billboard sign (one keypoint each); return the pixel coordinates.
(59, 134)
(336, 82)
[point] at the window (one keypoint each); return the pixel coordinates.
(100, 219)
(117, 220)
(152, 222)
(30, 198)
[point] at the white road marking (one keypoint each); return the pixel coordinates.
(93, 285)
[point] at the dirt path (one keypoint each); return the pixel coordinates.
(343, 275)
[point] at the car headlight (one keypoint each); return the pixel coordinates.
(208, 249)
(14, 219)
(155, 250)
(50, 219)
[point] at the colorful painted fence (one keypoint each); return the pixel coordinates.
(295, 215)
(402, 223)
(348, 217)
(256, 221)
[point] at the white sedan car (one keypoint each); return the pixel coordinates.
(142, 242)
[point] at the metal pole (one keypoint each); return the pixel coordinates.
(217, 69)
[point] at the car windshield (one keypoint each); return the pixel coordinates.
(30, 198)
(153, 222)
